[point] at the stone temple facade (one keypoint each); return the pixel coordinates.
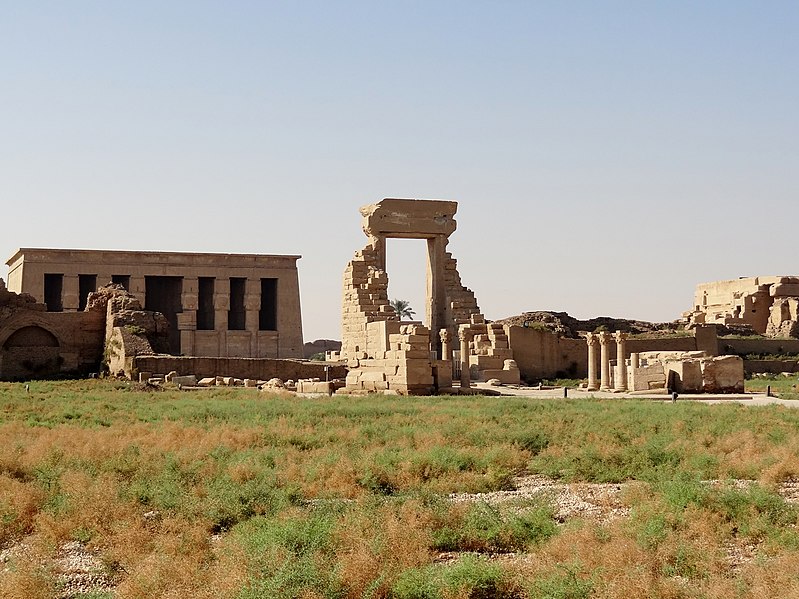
(229, 305)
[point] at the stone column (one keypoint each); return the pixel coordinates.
(252, 307)
(70, 293)
(620, 380)
(436, 301)
(592, 340)
(446, 346)
(187, 319)
(465, 335)
(221, 307)
(604, 361)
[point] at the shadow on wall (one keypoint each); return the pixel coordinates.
(31, 352)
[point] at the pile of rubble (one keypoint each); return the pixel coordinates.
(191, 381)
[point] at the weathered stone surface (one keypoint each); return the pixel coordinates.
(766, 304)
(35, 343)
(188, 380)
(723, 374)
(383, 354)
(199, 326)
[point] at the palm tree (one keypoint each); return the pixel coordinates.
(403, 309)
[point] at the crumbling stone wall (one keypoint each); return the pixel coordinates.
(768, 305)
(365, 297)
(130, 331)
(386, 356)
(35, 343)
(244, 368)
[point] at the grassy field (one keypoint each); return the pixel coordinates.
(240, 494)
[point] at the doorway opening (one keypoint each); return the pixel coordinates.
(406, 265)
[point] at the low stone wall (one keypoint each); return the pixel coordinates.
(541, 354)
(770, 366)
(643, 344)
(757, 345)
(243, 368)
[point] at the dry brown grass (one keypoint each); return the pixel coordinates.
(374, 547)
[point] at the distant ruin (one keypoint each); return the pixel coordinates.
(767, 305)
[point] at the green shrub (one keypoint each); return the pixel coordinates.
(471, 576)
(566, 583)
(485, 528)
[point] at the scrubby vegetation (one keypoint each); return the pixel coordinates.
(234, 493)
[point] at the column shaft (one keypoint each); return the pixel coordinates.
(604, 361)
(593, 383)
(620, 380)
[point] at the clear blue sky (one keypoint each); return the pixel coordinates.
(607, 156)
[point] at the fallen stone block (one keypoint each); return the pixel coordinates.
(185, 381)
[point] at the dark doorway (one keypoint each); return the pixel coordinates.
(123, 280)
(86, 285)
(53, 292)
(237, 317)
(205, 304)
(163, 294)
(267, 317)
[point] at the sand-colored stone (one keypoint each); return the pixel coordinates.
(766, 304)
(374, 343)
(37, 343)
(268, 326)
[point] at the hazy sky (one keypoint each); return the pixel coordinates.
(607, 156)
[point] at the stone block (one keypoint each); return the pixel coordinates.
(785, 290)
(506, 377)
(188, 380)
(723, 374)
(207, 382)
(373, 376)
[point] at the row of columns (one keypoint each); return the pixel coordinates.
(464, 336)
(603, 339)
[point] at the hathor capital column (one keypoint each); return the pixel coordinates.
(592, 340)
(604, 361)
(446, 346)
(465, 335)
(620, 380)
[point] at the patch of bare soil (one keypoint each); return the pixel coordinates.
(77, 569)
(596, 501)
(602, 503)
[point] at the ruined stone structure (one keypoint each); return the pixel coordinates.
(769, 305)
(385, 355)
(681, 371)
(229, 305)
(130, 331)
(35, 343)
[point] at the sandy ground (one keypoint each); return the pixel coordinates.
(753, 399)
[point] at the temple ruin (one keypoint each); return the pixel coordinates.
(767, 305)
(229, 305)
(386, 355)
(692, 371)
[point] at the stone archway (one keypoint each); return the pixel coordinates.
(30, 352)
